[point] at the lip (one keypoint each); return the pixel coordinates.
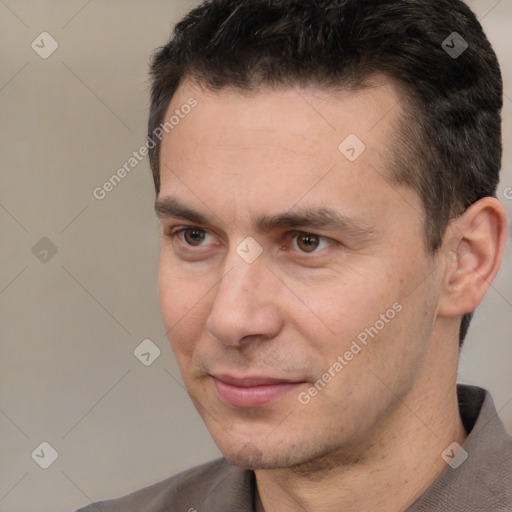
(253, 391)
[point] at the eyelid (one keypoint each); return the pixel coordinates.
(178, 230)
(294, 234)
(291, 235)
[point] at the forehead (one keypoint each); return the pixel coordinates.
(273, 149)
(283, 125)
(249, 117)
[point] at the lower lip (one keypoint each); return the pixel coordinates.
(253, 396)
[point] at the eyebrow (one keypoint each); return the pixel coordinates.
(315, 218)
(169, 207)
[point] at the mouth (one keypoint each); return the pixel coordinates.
(252, 391)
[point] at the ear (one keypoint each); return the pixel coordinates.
(474, 244)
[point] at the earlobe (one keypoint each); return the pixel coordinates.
(474, 245)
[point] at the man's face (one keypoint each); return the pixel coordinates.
(265, 291)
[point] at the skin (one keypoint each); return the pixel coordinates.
(372, 438)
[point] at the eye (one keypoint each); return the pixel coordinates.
(190, 236)
(309, 243)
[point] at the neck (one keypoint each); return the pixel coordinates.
(388, 470)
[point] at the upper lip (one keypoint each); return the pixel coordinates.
(250, 381)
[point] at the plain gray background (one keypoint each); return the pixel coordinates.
(70, 321)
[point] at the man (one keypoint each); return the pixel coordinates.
(326, 186)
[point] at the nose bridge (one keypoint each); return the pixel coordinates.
(243, 284)
(242, 304)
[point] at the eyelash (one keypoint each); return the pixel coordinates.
(175, 233)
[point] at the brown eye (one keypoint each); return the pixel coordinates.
(307, 242)
(193, 236)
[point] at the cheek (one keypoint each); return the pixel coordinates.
(183, 307)
(345, 308)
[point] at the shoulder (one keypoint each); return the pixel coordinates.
(184, 490)
(480, 478)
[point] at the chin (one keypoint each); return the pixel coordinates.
(249, 456)
(303, 463)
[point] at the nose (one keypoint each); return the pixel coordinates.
(244, 306)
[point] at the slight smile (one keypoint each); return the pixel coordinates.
(250, 392)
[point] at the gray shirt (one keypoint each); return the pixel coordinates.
(483, 482)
